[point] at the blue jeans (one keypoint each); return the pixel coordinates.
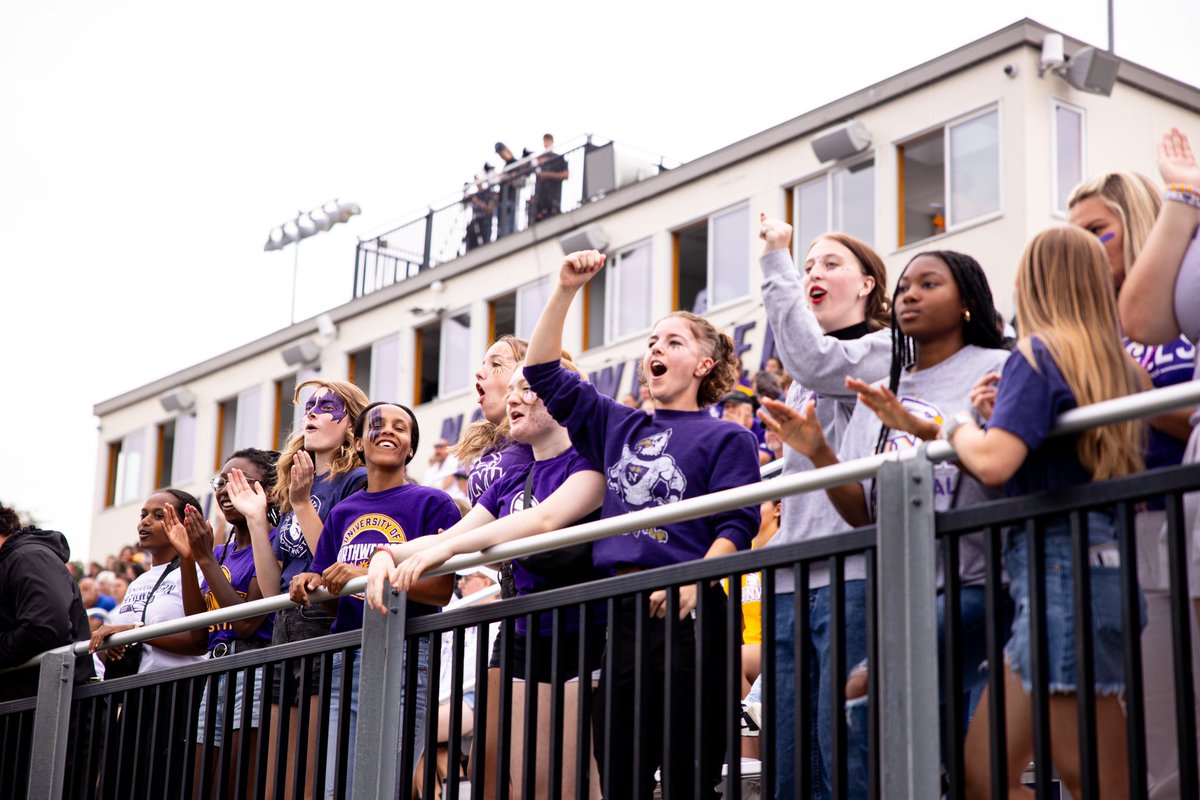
(334, 708)
(818, 706)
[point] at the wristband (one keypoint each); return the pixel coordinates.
(1184, 194)
(383, 548)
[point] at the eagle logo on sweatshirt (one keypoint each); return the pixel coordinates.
(646, 475)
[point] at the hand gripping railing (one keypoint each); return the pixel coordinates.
(909, 748)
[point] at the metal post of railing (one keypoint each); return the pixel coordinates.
(358, 265)
(379, 686)
(50, 724)
(427, 257)
(906, 621)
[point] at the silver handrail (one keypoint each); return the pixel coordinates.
(1121, 409)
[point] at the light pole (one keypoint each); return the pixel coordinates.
(306, 224)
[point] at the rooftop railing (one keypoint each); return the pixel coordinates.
(498, 204)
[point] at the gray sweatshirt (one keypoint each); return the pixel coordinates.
(935, 394)
(818, 364)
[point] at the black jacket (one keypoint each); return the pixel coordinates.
(40, 607)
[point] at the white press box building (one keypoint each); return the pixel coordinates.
(973, 151)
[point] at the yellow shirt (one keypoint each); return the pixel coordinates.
(751, 605)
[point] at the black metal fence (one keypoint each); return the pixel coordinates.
(494, 206)
(599, 695)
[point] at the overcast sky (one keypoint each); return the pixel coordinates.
(146, 148)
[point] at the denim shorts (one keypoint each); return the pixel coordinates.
(238, 694)
(296, 625)
(1108, 644)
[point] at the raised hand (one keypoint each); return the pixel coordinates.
(1176, 163)
(248, 498)
(885, 404)
(799, 429)
(579, 267)
(177, 533)
(199, 533)
(775, 233)
(983, 395)
(300, 485)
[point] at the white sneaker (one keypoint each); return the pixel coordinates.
(751, 718)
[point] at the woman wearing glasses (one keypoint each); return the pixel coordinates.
(228, 579)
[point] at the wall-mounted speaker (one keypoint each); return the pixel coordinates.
(590, 237)
(177, 400)
(302, 353)
(845, 140)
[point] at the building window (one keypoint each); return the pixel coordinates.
(125, 469)
(286, 411)
(961, 162)
(502, 317)
(237, 424)
(358, 369)
(531, 299)
(841, 200)
(1069, 158)
(443, 357)
(617, 300)
(712, 261)
(176, 451)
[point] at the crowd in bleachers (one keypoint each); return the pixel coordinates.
(1105, 307)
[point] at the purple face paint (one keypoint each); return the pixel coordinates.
(1108, 237)
(375, 423)
(329, 403)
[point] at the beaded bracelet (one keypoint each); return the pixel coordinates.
(1180, 193)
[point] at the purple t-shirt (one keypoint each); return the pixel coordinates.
(291, 548)
(1028, 402)
(1167, 365)
(238, 568)
(571, 565)
(365, 520)
(652, 459)
(490, 466)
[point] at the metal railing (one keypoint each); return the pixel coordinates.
(62, 725)
(495, 205)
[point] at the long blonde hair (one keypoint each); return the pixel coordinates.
(1132, 197)
(346, 459)
(482, 436)
(1065, 298)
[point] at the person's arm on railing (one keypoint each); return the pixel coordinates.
(579, 495)
(801, 430)
(1149, 286)
(184, 643)
(815, 360)
(251, 501)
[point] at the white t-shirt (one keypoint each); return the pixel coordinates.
(436, 475)
(166, 605)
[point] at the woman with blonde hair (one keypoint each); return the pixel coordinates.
(1119, 208)
(1069, 355)
(317, 469)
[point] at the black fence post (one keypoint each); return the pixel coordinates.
(427, 256)
(50, 724)
(906, 620)
(378, 729)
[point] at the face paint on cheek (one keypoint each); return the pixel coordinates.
(328, 403)
(374, 424)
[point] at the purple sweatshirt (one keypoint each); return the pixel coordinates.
(544, 571)
(365, 520)
(493, 465)
(650, 460)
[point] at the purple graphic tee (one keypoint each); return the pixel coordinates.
(491, 466)
(541, 572)
(291, 548)
(649, 460)
(238, 568)
(365, 520)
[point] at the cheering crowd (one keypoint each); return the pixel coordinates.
(1105, 307)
